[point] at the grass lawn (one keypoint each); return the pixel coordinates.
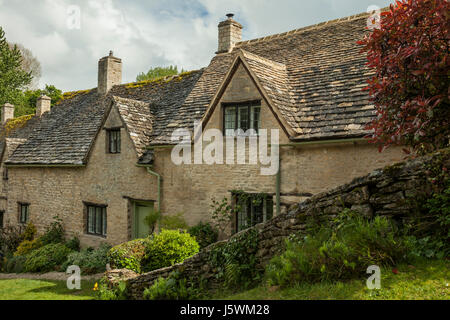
(25, 289)
(423, 280)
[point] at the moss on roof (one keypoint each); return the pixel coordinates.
(17, 123)
(160, 80)
(72, 94)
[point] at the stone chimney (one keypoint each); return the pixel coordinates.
(43, 105)
(109, 73)
(230, 32)
(7, 112)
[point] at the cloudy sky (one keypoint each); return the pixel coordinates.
(146, 33)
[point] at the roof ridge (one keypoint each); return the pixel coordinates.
(120, 99)
(304, 29)
(159, 79)
(253, 56)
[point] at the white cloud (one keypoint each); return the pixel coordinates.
(148, 33)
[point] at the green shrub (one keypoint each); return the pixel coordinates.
(90, 261)
(10, 238)
(168, 248)
(204, 233)
(152, 219)
(29, 232)
(73, 244)
(15, 264)
(173, 222)
(236, 261)
(26, 246)
(341, 252)
(119, 292)
(172, 288)
(54, 232)
(48, 258)
(430, 229)
(128, 255)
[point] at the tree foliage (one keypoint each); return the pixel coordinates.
(26, 103)
(158, 72)
(410, 89)
(29, 64)
(12, 77)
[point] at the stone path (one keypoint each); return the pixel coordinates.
(46, 276)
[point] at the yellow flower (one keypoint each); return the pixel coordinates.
(95, 287)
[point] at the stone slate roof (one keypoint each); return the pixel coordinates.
(64, 136)
(326, 73)
(274, 79)
(313, 77)
(165, 98)
(139, 122)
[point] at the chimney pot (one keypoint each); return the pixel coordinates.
(109, 73)
(43, 105)
(7, 112)
(230, 15)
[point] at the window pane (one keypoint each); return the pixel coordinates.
(230, 120)
(98, 220)
(112, 146)
(269, 206)
(118, 141)
(255, 118)
(243, 217)
(1, 219)
(23, 213)
(104, 221)
(243, 118)
(91, 219)
(258, 215)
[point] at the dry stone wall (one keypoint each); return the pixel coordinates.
(392, 191)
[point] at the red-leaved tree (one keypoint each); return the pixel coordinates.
(410, 89)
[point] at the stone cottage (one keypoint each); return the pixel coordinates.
(101, 159)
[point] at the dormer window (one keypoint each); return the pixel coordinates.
(245, 117)
(113, 140)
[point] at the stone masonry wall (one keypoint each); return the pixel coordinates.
(385, 192)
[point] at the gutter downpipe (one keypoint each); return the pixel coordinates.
(158, 177)
(278, 187)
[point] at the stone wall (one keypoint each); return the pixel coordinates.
(387, 192)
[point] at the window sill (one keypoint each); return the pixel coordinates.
(96, 236)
